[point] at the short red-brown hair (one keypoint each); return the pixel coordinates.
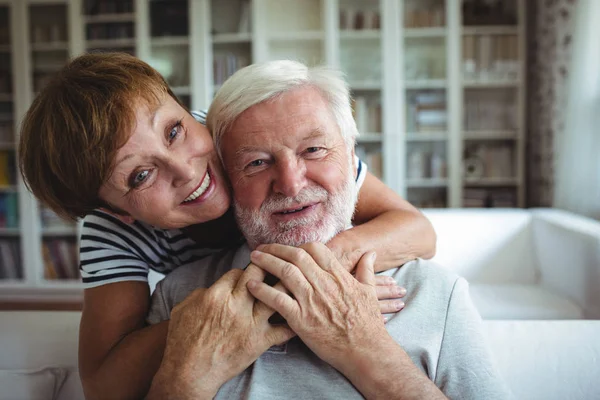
(74, 127)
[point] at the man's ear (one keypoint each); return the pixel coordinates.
(123, 217)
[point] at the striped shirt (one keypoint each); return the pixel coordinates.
(113, 251)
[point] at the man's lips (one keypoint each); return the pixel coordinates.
(295, 211)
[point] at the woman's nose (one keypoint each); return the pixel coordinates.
(183, 171)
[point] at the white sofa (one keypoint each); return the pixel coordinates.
(523, 264)
(546, 260)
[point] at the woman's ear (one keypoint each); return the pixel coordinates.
(122, 216)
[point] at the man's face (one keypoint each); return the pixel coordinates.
(291, 171)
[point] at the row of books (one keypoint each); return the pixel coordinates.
(61, 258)
(51, 33)
(488, 57)
(8, 168)
(95, 7)
(169, 18)
(427, 197)
(486, 198)
(357, 19)
(367, 114)
(486, 12)
(5, 82)
(424, 15)
(6, 132)
(225, 65)
(9, 210)
(489, 161)
(114, 30)
(489, 111)
(426, 112)
(10, 259)
(372, 157)
(426, 164)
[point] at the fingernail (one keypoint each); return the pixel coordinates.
(255, 253)
(385, 320)
(390, 281)
(401, 291)
(251, 284)
(399, 305)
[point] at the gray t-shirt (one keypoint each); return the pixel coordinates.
(439, 329)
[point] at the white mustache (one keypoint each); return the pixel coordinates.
(279, 202)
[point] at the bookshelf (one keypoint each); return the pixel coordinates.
(438, 88)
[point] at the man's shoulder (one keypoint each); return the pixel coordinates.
(201, 273)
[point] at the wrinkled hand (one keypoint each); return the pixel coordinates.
(218, 332)
(387, 289)
(335, 315)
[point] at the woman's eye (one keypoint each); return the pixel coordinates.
(138, 178)
(174, 131)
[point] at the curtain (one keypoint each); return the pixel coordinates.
(550, 25)
(577, 145)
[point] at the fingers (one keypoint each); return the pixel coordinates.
(390, 306)
(364, 270)
(274, 298)
(263, 311)
(389, 291)
(252, 271)
(278, 334)
(288, 273)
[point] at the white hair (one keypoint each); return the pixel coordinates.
(261, 82)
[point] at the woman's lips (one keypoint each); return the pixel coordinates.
(209, 190)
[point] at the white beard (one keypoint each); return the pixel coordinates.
(321, 227)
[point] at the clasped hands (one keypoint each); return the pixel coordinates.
(216, 333)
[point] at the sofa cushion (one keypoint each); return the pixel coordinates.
(522, 302)
(491, 246)
(33, 384)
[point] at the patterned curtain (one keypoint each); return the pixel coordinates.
(550, 28)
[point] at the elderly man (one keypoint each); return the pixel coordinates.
(294, 191)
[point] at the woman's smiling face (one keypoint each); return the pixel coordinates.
(167, 174)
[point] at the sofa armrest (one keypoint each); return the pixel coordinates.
(567, 248)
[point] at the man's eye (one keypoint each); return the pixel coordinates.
(256, 163)
(313, 149)
(138, 178)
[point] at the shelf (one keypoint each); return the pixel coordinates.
(425, 84)
(426, 183)
(47, 68)
(9, 189)
(491, 83)
(108, 43)
(483, 182)
(366, 34)
(297, 36)
(491, 30)
(181, 90)
(369, 138)
(50, 46)
(244, 37)
(60, 230)
(8, 146)
(490, 135)
(427, 136)
(425, 32)
(365, 85)
(6, 97)
(10, 232)
(106, 18)
(170, 41)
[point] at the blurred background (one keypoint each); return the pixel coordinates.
(473, 103)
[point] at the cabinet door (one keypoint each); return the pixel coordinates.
(49, 50)
(109, 25)
(360, 58)
(11, 267)
(424, 38)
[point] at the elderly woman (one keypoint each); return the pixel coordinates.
(153, 195)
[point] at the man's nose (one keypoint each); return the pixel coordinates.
(291, 177)
(182, 170)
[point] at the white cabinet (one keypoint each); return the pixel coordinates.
(438, 93)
